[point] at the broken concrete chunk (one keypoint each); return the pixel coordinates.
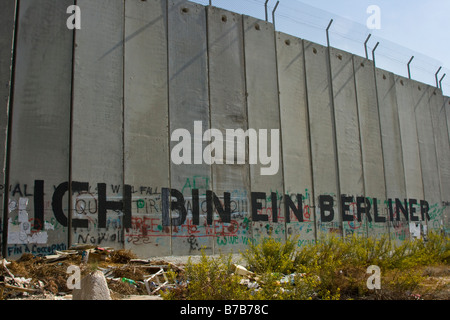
(242, 271)
(93, 287)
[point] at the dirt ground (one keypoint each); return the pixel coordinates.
(43, 278)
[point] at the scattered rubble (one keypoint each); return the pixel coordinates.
(92, 287)
(109, 274)
(105, 274)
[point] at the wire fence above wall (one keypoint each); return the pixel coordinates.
(310, 23)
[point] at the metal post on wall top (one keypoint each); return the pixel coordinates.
(273, 13)
(328, 35)
(365, 46)
(440, 81)
(436, 76)
(373, 53)
(265, 7)
(409, 68)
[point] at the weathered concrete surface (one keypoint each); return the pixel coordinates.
(442, 154)
(322, 135)
(351, 178)
(143, 69)
(371, 146)
(407, 103)
(189, 103)
(447, 113)
(229, 112)
(263, 113)
(428, 157)
(392, 148)
(438, 115)
(92, 287)
(146, 117)
(295, 135)
(97, 119)
(7, 25)
(40, 126)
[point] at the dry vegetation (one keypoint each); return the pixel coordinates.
(331, 269)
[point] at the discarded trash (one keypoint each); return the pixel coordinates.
(129, 281)
(242, 271)
(47, 275)
(249, 284)
(158, 283)
(290, 279)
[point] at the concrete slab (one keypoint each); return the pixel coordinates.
(447, 112)
(392, 148)
(146, 118)
(228, 112)
(439, 123)
(322, 135)
(40, 127)
(371, 146)
(427, 148)
(351, 177)
(97, 120)
(264, 114)
(295, 135)
(189, 103)
(92, 287)
(407, 104)
(7, 24)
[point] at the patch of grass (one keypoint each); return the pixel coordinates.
(209, 279)
(332, 268)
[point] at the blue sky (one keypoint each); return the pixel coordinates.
(420, 25)
(409, 28)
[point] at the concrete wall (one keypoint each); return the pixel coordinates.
(7, 23)
(89, 120)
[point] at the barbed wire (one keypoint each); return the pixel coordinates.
(310, 23)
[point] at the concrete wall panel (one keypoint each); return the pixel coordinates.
(228, 111)
(428, 157)
(295, 133)
(446, 109)
(146, 116)
(322, 135)
(439, 121)
(7, 25)
(407, 101)
(392, 149)
(351, 178)
(40, 128)
(264, 114)
(447, 112)
(189, 103)
(97, 120)
(371, 146)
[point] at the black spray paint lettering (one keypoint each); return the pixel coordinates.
(174, 211)
(103, 204)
